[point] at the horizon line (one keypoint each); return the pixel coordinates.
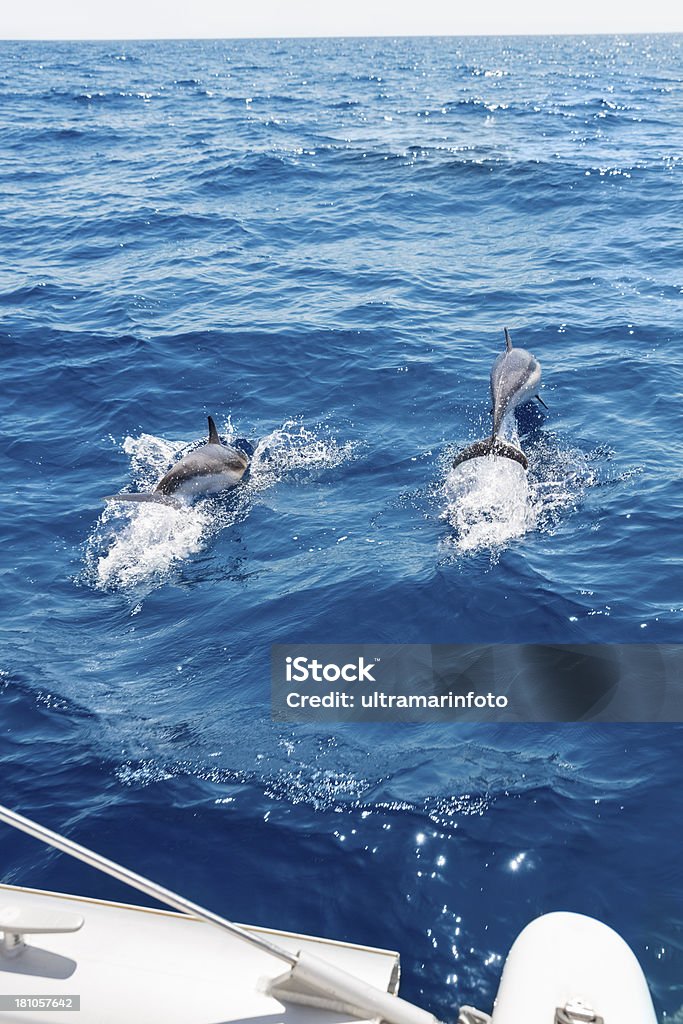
(387, 35)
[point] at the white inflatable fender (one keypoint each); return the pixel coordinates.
(570, 962)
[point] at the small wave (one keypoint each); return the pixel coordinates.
(477, 71)
(479, 104)
(327, 789)
(599, 104)
(128, 58)
(322, 776)
(322, 789)
(59, 134)
(140, 544)
(96, 96)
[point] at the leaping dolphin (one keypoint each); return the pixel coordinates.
(209, 469)
(515, 377)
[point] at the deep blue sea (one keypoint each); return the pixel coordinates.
(319, 242)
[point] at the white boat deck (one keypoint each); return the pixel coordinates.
(133, 965)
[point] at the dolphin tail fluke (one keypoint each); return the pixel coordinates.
(508, 340)
(213, 433)
(491, 446)
(139, 497)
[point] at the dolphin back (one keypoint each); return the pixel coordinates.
(211, 460)
(515, 377)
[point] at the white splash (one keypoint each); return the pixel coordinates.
(140, 544)
(152, 539)
(488, 502)
(491, 501)
(293, 447)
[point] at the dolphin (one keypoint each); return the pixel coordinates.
(515, 378)
(209, 469)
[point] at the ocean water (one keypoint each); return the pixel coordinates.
(319, 243)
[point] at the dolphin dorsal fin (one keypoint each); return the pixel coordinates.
(508, 340)
(213, 433)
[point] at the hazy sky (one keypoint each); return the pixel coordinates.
(139, 19)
